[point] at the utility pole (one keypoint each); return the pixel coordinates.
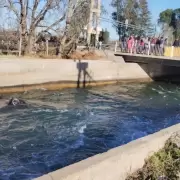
(155, 30)
(118, 11)
(98, 19)
(95, 12)
(20, 41)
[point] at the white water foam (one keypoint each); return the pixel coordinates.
(82, 128)
(63, 110)
(78, 114)
(160, 92)
(42, 110)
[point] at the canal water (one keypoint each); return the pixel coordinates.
(59, 128)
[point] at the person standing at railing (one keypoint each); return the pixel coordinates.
(130, 44)
(176, 43)
(138, 44)
(157, 47)
(100, 45)
(165, 45)
(146, 45)
(124, 43)
(152, 44)
(166, 42)
(135, 45)
(162, 46)
(141, 46)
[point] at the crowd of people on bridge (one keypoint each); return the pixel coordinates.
(145, 45)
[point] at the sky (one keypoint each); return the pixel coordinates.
(155, 7)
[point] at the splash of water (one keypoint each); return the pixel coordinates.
(81, 130)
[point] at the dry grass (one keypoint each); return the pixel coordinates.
(78, 55)
(164, 165)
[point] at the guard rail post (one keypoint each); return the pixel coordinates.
(115, 49)
(172, 51)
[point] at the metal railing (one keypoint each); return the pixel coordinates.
(149, 49)
(9, 47)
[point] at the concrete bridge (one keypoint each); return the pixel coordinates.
(158, 68)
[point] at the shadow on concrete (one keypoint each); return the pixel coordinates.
(83, 74)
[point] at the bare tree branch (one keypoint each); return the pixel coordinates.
(55, 23)
(36, 2)
(11, 7)
(30, 14)
(77, 20)
(42, 13)
(2, 3)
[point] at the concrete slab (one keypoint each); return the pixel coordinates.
(143, 55)
(145, 59)
(157, 67)
(116, 163)
(65, 73)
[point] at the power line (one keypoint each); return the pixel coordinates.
(122, 23)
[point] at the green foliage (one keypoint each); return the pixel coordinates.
(137, 13)
(103, 10)
(172, 18)
(164, 163)
(165, 16)
(104, 36)
(175, 22)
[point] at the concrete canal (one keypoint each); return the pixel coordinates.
(59, 128)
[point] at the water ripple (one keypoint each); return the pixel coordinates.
(63, 127)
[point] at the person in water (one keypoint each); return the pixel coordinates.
(16, 102)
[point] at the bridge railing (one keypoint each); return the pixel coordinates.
(150, 50)
(9, 47)
(172, 51)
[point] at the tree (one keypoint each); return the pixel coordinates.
(124, 9)
(170, 18)
(175, 22)
(137, 14)
(131, 11)
(2, 3)
(144, 16)
(118, 16)
(32, 14)
(104, 36)
(165, 16)
(76, 21)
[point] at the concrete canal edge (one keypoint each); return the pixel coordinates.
(117, 163)
(21, 75)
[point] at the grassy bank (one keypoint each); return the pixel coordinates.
(162, 165)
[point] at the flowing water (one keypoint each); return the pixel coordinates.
(59, 128)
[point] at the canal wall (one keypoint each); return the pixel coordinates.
(26, 74)
(158, 68)
(117, 163)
